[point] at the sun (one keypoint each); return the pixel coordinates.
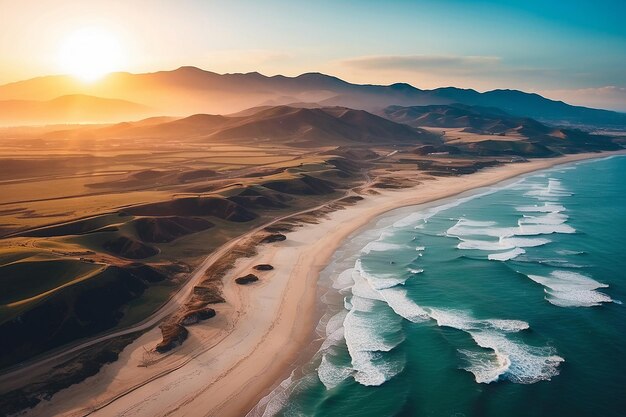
(90, 53)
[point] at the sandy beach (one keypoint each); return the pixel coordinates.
(231, 361)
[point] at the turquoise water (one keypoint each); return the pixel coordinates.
(504, 302)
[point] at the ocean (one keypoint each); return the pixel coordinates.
(504, 301)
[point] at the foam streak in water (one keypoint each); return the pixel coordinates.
(571, 289)
(505, 358)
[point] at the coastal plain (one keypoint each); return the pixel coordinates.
(128, 251)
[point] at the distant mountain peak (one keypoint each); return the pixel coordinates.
(320, 76)
(403, 87)
(189, 68)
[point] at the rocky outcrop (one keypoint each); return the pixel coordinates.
(274, 237)
(193, 317)
(246, 279)
(173, 335)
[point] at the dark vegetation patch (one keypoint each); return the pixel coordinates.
(79, 310)
(263, 267)
(275, 237)
(62, 376)
(23, 279)
(353, 153)
(173, 336)
(77, 227)
(209, 293)
(263, 172)
(129, 248)
(429, 149)
(195, 206)
(461, 167)
(252, 198)
(195, 316)
(247, 279)
(197, 175)
(304, 185)
(502, 148)
(167, 229)
(351, 199)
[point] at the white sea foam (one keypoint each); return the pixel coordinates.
(552, 218)
(522, 242)
(509, 359)
(543, 229)
(547, 207)
(464, 321)
(453, 318)
(343, 280)
(370, 332)
(333, 338)
(336, 322)
(373, 368)
(558, 263)
(402, 305)
(332, 374)
(394, 295)
(486, 366)
(571, 289)
(474, 223)
(505, 256)
(377, 281)
(506, 325)
(371, 336)
(516, 362)
(581, 298)
(416, 271)
(380, 246)
(501, 244)
(554, 189)
(418, 219)
(462, 229)
(486, 245)
(527, 226)
(569, 252)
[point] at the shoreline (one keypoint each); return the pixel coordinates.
(235, 359)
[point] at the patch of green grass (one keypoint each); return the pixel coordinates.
(23, 280)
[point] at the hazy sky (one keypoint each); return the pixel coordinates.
(572, 50)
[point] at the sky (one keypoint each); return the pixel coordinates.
(572, 50)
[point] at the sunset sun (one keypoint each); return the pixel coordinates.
(90, 53)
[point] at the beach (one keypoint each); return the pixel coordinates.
(262, 330)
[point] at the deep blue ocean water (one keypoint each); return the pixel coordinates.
(503, 302)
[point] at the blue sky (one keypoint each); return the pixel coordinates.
(575, 50)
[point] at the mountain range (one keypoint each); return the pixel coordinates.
(511, 134)
(190, 90)
(294, 126)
